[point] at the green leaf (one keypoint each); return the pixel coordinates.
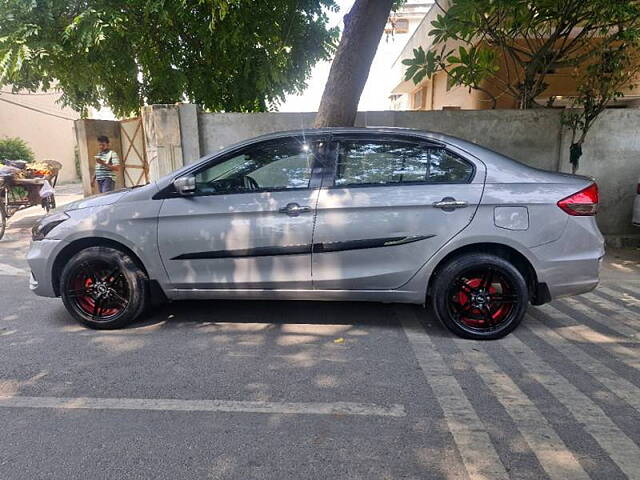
(419, 76)
(228, 55)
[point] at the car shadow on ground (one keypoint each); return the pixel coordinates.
(283, 312)
(263, 311)
(196, 313)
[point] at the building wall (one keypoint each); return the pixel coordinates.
(49, 136)
(535, 137)
(612, 156)
(445, 97)
(560, 83)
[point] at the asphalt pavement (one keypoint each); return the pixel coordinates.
(302, 390)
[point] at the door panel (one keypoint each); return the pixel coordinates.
(237, 241)
(397, 223)
(250, 222)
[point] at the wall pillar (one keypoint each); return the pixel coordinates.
(163, 139)
(189, 131)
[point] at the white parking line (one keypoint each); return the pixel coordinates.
(12, 271)
(553, 454)
(628, 301)
(572, 330)
(621, 321)
(469, 433)
(229, 406)
(620, 448)
(624, 389)
(632, 287)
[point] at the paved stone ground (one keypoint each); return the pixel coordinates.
(298, 390)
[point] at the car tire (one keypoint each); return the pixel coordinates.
(103, 288)
(480, 296)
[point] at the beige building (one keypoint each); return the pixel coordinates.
(437, 93)
(46, 126)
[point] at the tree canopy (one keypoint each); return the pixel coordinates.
(517, 43)
(226, 55)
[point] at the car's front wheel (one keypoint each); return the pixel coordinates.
(480, 296)
(103, 288)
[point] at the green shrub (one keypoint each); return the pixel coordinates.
(15, 149)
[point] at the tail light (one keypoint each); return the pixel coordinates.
(582, 203)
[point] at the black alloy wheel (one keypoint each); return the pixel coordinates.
(480, 296)
(103, 288)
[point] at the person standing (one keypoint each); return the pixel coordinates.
(107, 165)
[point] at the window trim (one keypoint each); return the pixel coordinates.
(315, 179)
(329, 181)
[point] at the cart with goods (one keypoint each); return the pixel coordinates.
(24, 185)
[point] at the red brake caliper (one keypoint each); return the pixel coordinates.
(86, 302)
(464, 300)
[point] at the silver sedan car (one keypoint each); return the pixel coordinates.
(387, 215)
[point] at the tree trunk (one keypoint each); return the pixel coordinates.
(575, 152)
(363, 28)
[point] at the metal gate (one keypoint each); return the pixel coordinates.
(135, 165)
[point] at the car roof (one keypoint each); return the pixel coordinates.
(413, 132)
(436, 137)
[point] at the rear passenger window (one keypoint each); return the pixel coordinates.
(362, 162)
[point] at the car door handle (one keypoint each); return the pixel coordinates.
(449, 204)
(293, 209)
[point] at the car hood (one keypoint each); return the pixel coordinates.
(97, 200)
(132, 194)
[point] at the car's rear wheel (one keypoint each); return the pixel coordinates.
(480, 296)
(103, 288)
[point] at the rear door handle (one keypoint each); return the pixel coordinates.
(449, 204)
(293, 209)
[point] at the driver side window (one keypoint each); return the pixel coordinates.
(278, 165)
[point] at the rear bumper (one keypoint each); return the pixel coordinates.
(573, 277)
(40, 258)
(571, 265)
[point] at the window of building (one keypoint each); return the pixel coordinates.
(401, 25)
(396, 25)
(418, 99)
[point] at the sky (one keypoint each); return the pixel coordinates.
(376, 92)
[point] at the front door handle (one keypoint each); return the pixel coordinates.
(448, 204)
(293, 209)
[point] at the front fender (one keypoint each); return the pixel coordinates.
(133, 225)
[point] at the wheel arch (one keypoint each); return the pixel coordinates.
(539, 292)
(78, 245)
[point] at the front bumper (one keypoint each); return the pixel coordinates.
(41, 256)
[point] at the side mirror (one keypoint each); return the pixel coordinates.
(185, 185)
